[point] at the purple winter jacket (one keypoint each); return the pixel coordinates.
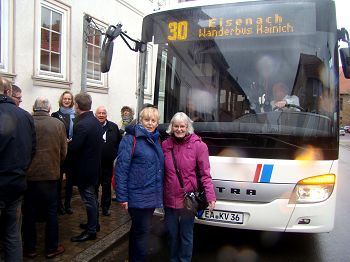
(191, 150)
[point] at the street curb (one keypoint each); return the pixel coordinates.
(103, 244)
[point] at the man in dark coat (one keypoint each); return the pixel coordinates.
(17, 148)
(111, 138)
(85, 149)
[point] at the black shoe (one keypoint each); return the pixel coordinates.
(106, 212)
(84, 226)
(69, 210)
(84, 236)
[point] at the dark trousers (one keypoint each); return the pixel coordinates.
(88, 195)
(179, 223)
(68, 192)
(10, 227)
(40, 196)
(141, 223)
(105, 181)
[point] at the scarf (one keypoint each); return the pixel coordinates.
(154, 135)
(71, 113)
(125, 121)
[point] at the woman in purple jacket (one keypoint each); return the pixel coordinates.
(189, 151)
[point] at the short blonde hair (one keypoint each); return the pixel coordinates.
(181, 116)
(150, 112)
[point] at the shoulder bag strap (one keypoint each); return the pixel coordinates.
(176, 170)
(133, 146)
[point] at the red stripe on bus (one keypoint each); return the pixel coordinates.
(257, 173)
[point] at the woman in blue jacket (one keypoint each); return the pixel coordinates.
(139, 178)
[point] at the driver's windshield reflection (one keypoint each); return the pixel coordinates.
(282, 98)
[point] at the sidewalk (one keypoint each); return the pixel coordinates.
(113, 228)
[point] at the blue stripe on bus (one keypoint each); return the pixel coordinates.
(266, 174)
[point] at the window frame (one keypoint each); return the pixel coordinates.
(42, 75)
(7, 36)
(93, 84)
(4, 35)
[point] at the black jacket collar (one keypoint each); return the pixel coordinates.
(6, 99)
(85, 115)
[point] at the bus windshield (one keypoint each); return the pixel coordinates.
(228, 67)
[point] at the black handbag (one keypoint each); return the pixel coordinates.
(194, 201)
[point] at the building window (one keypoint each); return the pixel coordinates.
(7, 39)
(51, 40)
(95, 80)
(93, 57)
(3, 33)
(52, 45)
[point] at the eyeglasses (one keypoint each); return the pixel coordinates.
(19, 98)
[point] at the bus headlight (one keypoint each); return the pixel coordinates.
(313, 189)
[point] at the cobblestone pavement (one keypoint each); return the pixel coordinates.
(113, 228)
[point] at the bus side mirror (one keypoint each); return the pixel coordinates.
(106, 53)
(106, 56)
(107, 47)
(345, 60)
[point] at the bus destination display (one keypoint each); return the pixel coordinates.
(267, 20)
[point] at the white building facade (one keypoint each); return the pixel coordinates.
(42, 49)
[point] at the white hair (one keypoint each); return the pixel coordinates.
(181, 116)
(42, 104)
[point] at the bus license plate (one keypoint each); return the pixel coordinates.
(223, 216)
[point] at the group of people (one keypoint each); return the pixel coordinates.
(38, 150)
(143, 160)
(146, 179)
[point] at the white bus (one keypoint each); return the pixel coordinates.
(273, 168)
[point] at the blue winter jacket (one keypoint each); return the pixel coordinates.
(139, 169)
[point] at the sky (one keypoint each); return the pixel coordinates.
(342, 9)
(343, 18)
